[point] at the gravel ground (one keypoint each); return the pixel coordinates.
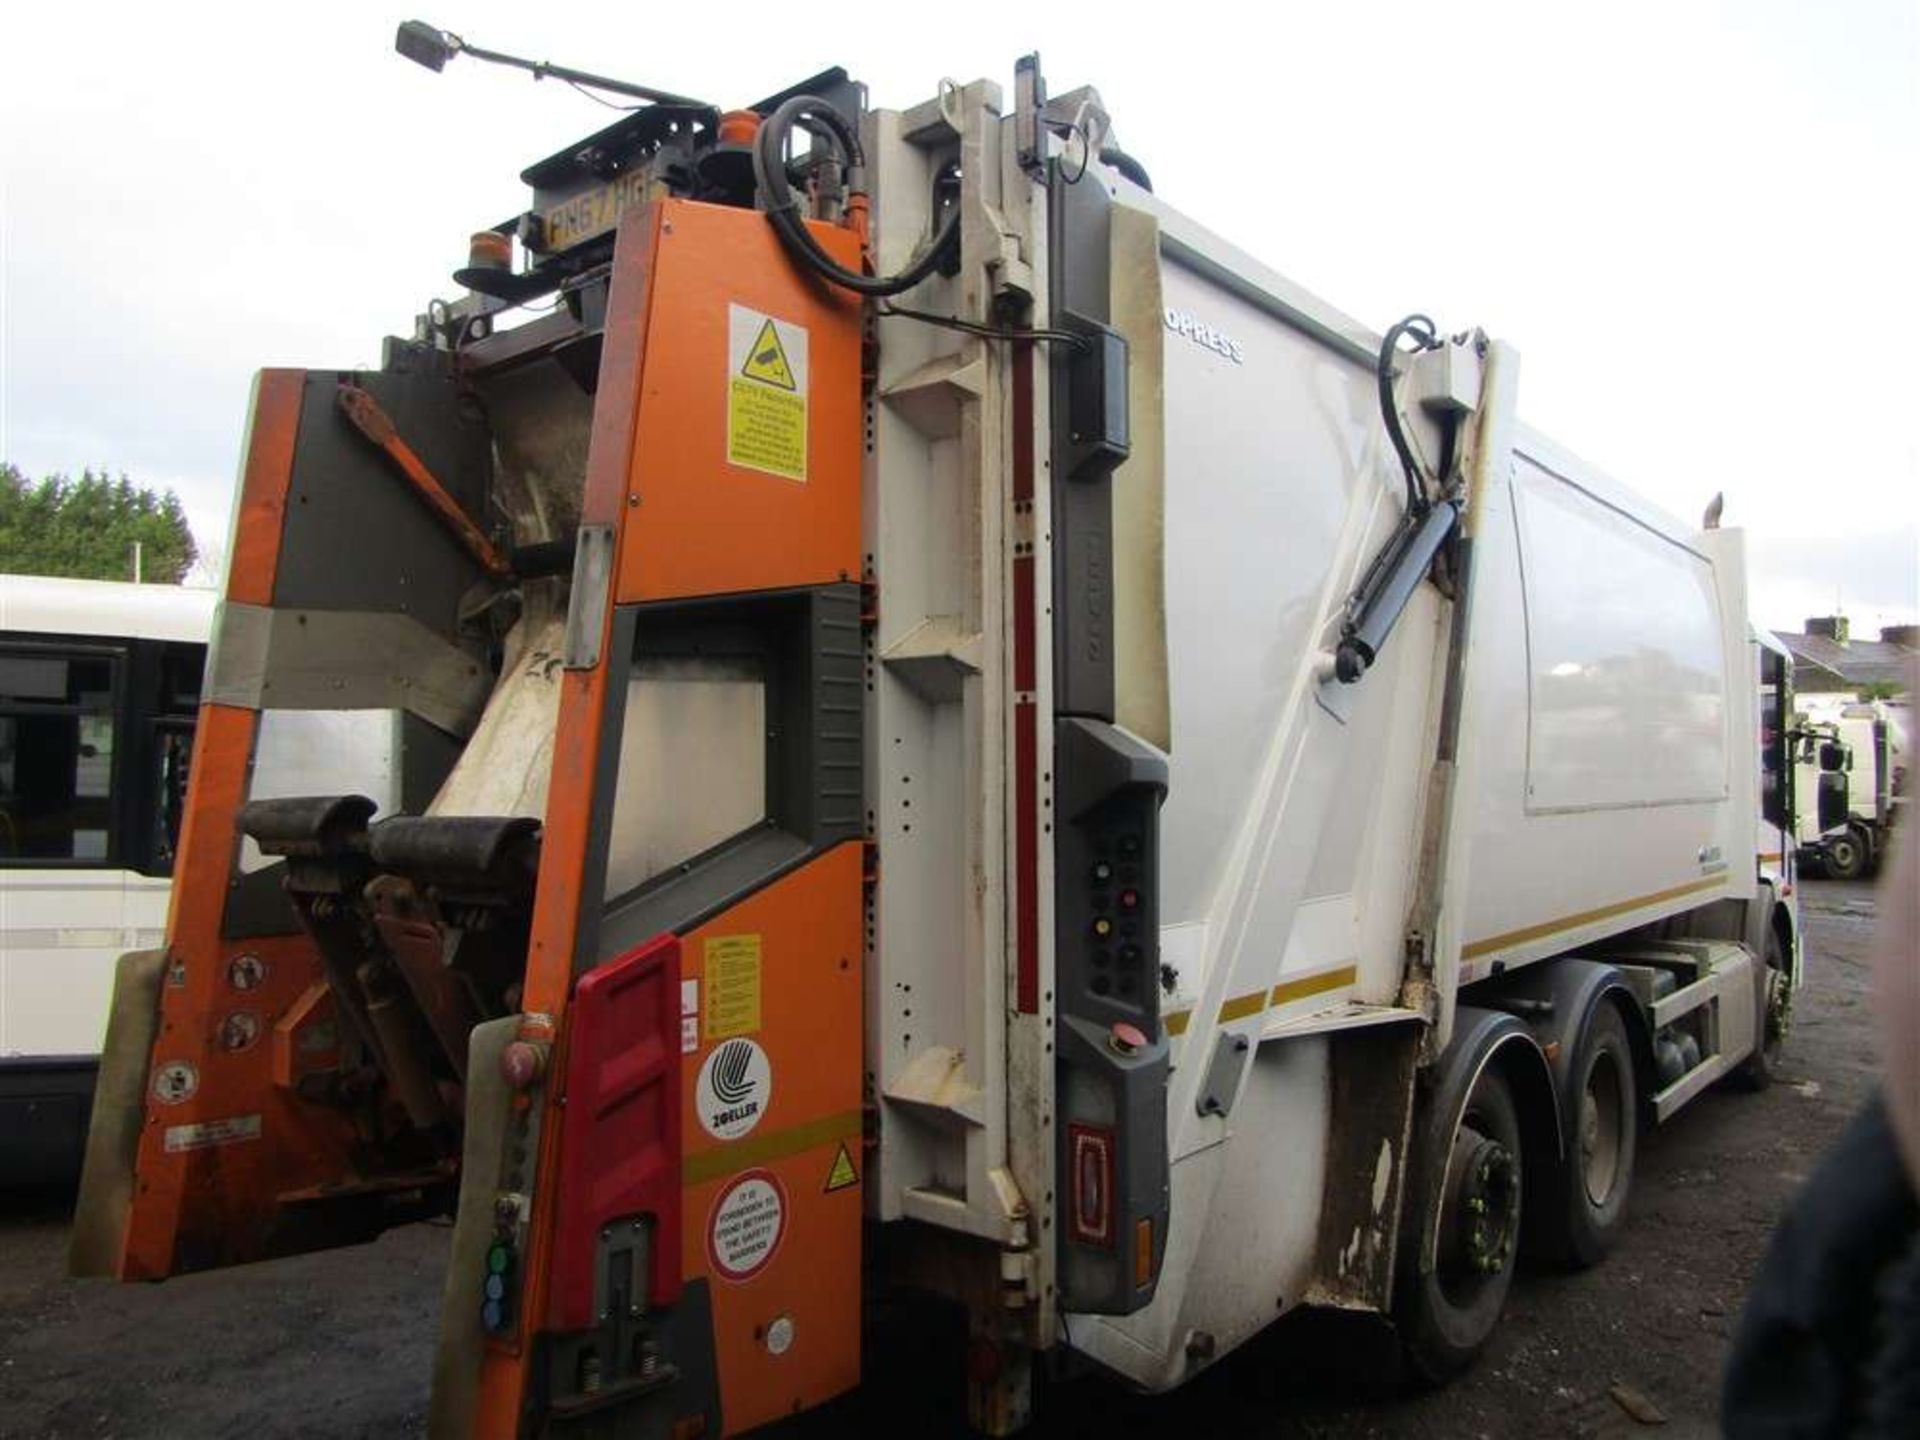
(340, 1344)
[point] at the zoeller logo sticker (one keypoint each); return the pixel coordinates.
(736, 1086)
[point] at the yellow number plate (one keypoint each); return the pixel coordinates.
(594, 213)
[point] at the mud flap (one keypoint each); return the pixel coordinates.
(119, 1109)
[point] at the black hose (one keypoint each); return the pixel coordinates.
(1128, 166)
(819, 117)
(1422, 330)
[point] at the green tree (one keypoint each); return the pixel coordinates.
(87, 528)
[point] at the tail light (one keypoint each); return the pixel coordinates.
(1090, 1153)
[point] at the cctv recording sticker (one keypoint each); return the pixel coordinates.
(736, 1086)
(766, 393)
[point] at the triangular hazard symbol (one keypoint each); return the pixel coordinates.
(767, 360)
(842, 1174)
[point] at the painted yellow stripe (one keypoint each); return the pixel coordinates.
(1291, 990)
(1587, 917)
(1772, 859)
(1287, 991)
(765, 1149)
(1241, 1006)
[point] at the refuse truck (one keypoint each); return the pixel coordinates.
(943, 728)
(1854, 761)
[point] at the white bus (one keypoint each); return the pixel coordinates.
(99, 690)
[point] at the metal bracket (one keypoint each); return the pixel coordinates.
(1231, 1054)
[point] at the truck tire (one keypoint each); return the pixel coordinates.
(1873, 843)
(1775, 997)
(1602, 1135)
(1846, 856)
(1471, 1202)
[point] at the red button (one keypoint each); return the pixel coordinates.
(1126, 1039)
(1129, 899)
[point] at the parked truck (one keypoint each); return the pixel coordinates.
(961, 733)
(1853, 761)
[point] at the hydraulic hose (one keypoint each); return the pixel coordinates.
(819, 117)
(1424, 334)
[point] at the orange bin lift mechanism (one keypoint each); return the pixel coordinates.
(224, 1144)
(725, 455)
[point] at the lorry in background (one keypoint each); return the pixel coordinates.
(1851, 764)
(960, 733)
(99, 687)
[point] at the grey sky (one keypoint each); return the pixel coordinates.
(1698, 222)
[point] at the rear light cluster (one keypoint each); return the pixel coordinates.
(1090, 1158)
(496, 1293)
(523, 1066)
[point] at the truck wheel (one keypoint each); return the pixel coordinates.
(1774, 1019)
(1446, 1310)
(1600, 1146)
(1846, 856)
(1872, 846)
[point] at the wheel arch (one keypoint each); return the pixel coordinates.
(1483, 1038)
(1556, 1000)
(1785, 923)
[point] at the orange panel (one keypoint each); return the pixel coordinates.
(222, 1142)
(804, 1011)
(705, 524)
(570, 790)
(691, 522)
(263, 485)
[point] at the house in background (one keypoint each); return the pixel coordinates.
(1829, 661)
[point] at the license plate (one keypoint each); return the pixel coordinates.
(594, 213)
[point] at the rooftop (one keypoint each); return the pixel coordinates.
(1827, 656)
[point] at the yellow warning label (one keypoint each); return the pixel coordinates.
(767, 360)
(733, 985)
(842, 1174)
(766, 430)
(766, 393)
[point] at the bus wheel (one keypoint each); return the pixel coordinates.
(1846, 856)
(1450, 1299)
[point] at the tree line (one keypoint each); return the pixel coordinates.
(86, 527)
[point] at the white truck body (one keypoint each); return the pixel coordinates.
(1607, 769)
(1853, 758)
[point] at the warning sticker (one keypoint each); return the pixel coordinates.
(212, 1132)
(746, 1227)
(842, 1174)
(689, 1016)
(736, 1086)
(766, 393)
(733, 985)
